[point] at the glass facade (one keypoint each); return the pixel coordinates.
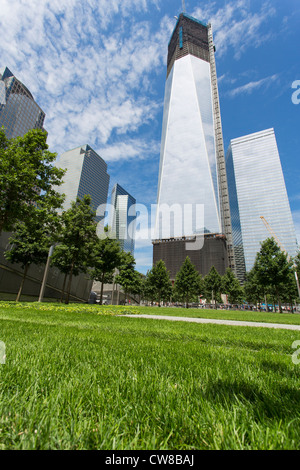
(123, 217)
(188, 166)
(86, 174)
(18, 111)
(257, 189)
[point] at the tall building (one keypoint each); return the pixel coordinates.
(257, 189)
(192, 171)
(123, 217)
(18, 111)
(86, 174)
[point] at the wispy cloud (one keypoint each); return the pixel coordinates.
(130, 149)
(89, 65)
(249, 87)
(235, 27)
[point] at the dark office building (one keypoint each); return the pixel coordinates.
(19, 113)
(174, 251)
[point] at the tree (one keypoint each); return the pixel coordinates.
(297, 263)
(128, 277)
(159, 280)
(32, 239)
(212, 284)
(76, 241)
(272, 268)
(254, 292)
(297, 272)
(289, 290)
(148, 288)
(27, 176)
(231, 287)
(187, 282)
(105, 258)
(62, 260)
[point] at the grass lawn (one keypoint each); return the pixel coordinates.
(240, 315)
(80, 377)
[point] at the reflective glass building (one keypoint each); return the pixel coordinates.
(192, 172)
(257, 189)
(18, 111)
(123, 217)
(86, 174)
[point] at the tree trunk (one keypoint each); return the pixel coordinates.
(279, 301)
(118, 294)
(113, 292)
(63, 288)
(22, 282)
(102, 285)
(69, 284)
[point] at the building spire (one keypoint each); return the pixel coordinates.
(183, 6)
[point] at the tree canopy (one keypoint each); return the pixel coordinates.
(106, 256)
(187, 282)
(212, 285)
(159, 279)
(272, 268)
(128, 277)
(77, 239)
(231, 287)
(27, 177)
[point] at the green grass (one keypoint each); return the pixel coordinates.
(240, 315)
(80, 377)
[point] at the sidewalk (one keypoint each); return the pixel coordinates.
(219, 322)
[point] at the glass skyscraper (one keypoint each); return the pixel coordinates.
(123, 217)
(257, 189)
(86, 174)
(192, 172)
(18, 111)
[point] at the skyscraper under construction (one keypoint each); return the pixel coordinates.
(192, 183)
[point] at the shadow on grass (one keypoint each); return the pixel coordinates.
(280, 402)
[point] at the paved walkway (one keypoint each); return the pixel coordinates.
(219, 322)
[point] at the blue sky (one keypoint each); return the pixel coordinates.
(98, 67)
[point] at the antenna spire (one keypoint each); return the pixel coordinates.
(183, 6)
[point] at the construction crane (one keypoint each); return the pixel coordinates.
(269, 228)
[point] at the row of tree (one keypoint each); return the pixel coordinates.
(272, 280)
(189, 285)
(76, 248)
(31, 208)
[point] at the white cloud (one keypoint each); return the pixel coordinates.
(253, 85)
(235, 26)
(129, 149)
(88, 65)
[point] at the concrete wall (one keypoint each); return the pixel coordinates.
(11, 276)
